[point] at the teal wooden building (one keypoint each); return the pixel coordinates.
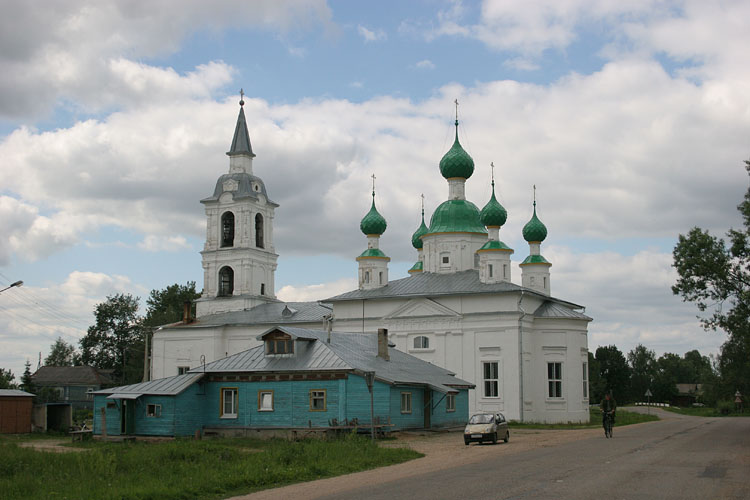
(297, 379)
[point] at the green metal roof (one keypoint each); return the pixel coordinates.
(535, 259)
(493, 213)
(456, 216)
(417, 268)
(495, 246)
(416, 238)
(456, 162)
(373, 222)
(373, 253)
(534, 230)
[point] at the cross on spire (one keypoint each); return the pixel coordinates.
(373, 185)
(422, 196)
(242, 97)
(492, 166)
(456, 103)
(534, 195)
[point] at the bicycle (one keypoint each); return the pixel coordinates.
(609, 417)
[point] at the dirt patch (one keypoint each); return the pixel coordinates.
(442, 451)
(52, 445)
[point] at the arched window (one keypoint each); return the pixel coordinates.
(227, 229)
(421, 342)
(259, 231)
(226, 282)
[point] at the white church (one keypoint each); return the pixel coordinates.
(526, 351)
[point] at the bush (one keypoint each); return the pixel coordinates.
(725, 407)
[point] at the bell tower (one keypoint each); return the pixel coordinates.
(239, 261)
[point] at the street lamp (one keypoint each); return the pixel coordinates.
(15, 283)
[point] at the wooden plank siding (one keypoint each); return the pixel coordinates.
(15, 414)
(347, 398)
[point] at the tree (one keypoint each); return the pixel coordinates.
(116, 340)
(61, 354)
(167, 305)
(642, 362)
(613, 372)
(715, 275)
(27, 384)
(6, 379)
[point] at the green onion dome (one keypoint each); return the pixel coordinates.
(493, 213)
(456, 216)
(456, 162)
(534, 230)
(416, 238)
(373, 222)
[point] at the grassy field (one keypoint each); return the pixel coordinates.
(182, 469)
(706, 411)
(595, 416)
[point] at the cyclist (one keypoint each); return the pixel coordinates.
(608, 405)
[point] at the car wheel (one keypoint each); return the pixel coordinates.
(494, 438)
(466, 442)
(507, 437)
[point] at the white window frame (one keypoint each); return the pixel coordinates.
(445, 259)
(153, 410)
(450, 402)
(424, 342)
(234, 398)
(182, 370)
(554, 380)
(489, 382)
(262, 401)
(406, 402)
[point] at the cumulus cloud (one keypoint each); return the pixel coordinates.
(85, 52)
(370, 35)
(425, 64)
(307, 293)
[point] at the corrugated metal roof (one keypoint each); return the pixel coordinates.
(346, 351)
(551, 309)
(14, 393)
(170, 386)
(272, 313)
(432, 284)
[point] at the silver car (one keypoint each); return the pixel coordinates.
(486, 427)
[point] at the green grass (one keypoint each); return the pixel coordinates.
(595, 420)
(183, 469)
(705, 411)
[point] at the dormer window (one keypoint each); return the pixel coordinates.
(279, 343)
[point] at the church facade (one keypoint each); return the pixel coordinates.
(525, 350)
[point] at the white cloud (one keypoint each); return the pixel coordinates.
(85, 52)
(308, 293)
(152, 243)
(425, 64)
(371, 36)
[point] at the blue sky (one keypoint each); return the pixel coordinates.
(631, 118)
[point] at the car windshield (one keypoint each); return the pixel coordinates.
(481, 418)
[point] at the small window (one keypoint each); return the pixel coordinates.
(259, 231)
(90, 393)
(554, 380)
(317, 400)
(227, 229)
(531, 281)
(406, 402)
(585, 380)
(544, 281)
(380, 278)
(265, 400)
(262, 288)
(367, 276)
(153, 410)
(505, 270)
(489, 269)
(229, 402)
(279, 346)
(450, 402)
(182, 370)
(421, 342)
(226, 281)
(491, 380)
(445, 259)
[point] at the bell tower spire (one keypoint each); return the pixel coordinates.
(239, 261)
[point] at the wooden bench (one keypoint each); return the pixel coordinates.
(81, 435)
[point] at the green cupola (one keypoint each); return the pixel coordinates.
(534, 230)
(493, 214)
(373, 222)
(456, 163)
(416, 238)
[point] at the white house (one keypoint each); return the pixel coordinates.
(525, 350)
